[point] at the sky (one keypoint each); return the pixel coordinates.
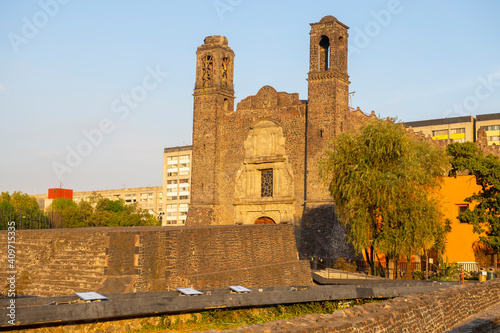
(91, 92)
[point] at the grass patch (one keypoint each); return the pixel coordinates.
(221, 319)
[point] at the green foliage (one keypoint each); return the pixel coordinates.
(21, 208)
(98, 212)
(382, 181)
(345, 265)
(418, 275)
(482, 254)
(447, 270)
(220, 319)
(485, 216)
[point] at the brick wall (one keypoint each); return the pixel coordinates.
(64, 261)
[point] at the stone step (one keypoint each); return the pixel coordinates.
(73, 276)
(48, 292)
(58, 284)
(87, 262)
(72, 271)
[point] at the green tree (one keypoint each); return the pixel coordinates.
(485, 215)
(64, 213)
(21, 208)
(382, 180)
(98, 212)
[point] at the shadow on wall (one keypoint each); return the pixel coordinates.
(322, 235)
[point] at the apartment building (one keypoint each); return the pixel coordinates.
(459, 129)
(176, 184)
(150, 198)
(491, 124)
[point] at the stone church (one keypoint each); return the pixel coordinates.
(259, 163)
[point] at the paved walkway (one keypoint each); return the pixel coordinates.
(487, 321)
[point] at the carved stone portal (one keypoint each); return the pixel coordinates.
(256, 193)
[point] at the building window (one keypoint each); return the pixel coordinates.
(266, 188)
(493, 138)
(461, 209)
(171, 198)
(457, 130)
(492, 128)
(440, 132)
(172, 181)
(183, 181)
(183, 197)
(171, 174)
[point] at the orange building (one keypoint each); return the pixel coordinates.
(460, 239)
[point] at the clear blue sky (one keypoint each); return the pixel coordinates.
(64, 66)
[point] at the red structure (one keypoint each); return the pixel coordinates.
(55, 193)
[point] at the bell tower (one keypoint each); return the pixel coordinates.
(328, 99)
(213, 97)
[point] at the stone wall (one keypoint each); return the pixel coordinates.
(437, 311)
(110, 260)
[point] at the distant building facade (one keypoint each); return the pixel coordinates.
(177, 162)
(169, 202)
(460, 129)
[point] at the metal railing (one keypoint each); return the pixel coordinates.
(25, 220)
(380, 269)
(469, 266)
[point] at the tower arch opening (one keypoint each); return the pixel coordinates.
(324, 53)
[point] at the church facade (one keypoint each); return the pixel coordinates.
(259, 163)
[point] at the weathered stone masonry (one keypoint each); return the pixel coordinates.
(113, 260)
(437, 312)
(275, 134)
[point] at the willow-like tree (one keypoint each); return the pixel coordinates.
(485, 215)
(382, 180)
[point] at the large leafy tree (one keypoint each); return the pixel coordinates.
(485, 215)
(382, 180)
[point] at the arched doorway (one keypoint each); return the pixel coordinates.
(264, 220)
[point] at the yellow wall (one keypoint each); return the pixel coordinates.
(461, 237)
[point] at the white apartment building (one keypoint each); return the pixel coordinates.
(176, 184)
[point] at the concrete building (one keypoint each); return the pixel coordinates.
(491, 124)
(458, 129)
(150, 198)
(176, 185)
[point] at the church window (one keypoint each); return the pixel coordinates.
(266, 183)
